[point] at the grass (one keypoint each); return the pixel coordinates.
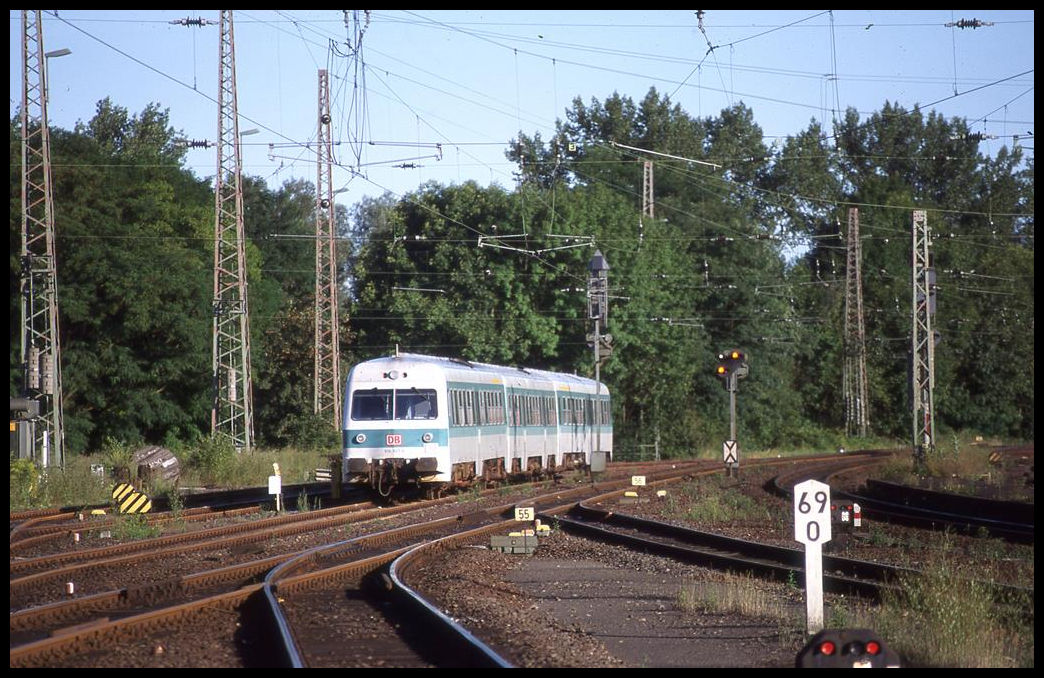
(734, 594)
(208, 464)
(941, 617)
(709, 500)
(135, 526)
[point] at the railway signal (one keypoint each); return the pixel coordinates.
(730, 368)
(848, 649)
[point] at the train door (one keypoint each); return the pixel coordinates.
(517, 431)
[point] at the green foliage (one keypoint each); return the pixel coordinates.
(710, 500)
(134, 526)
(749, 254)
(943, 618)
(25, 484)
(117, 456)
(214, 459)
(175, 502)
(74, 485)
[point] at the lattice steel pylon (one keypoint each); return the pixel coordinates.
(327, 376)
(40, 350)
(923, 340)
(232, 410)
(857, 413)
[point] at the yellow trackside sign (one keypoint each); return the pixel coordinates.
(130, 500)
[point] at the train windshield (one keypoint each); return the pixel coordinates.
(377, 404)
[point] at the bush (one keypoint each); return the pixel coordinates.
(25, 484)
(215, 460)
(942, 618)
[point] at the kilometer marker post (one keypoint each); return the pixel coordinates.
(812, 528)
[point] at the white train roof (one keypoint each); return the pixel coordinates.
(460, 365)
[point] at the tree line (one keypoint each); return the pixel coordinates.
(745, 248)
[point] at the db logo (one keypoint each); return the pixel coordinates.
(393, 439)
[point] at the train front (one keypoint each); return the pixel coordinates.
(395, 425)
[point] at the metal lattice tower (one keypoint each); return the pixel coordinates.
(232, 413)
(923, 340)
(857, 413)
(40, 351)
(647, 189)
(327, 380)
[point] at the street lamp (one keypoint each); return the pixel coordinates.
(597, 310)
(47, 55)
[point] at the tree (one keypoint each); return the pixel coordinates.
(132, 280)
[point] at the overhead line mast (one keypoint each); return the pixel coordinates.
(327, 375)
(923, 340)
(232, 410)
(40, 351)
(857, 414)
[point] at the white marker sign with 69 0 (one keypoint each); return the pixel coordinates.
(812, 528)
(812, 512)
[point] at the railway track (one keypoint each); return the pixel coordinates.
(281, 604)
(928, 509)
(35, 624)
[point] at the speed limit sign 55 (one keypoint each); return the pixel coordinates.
(812, 512)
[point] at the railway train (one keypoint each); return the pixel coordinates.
(434, 423)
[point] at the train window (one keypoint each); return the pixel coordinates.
(416, 404)
(372, 405)
(458, 414)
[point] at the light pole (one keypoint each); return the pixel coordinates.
(597, 310)
(47, 56)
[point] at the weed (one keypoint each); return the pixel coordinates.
(878, 536)
(176, 504)
(943, 618)
(215, 460)
(736, 594)
(118, 457)
(473, 493)
(25, 484)
(134, 526)
(74, 485)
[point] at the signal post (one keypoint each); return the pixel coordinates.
(732, 366)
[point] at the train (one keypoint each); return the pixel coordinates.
(435, 423)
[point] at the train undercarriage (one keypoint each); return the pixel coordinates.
(388, 475)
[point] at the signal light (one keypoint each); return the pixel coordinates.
(847, 648)
(732, 365)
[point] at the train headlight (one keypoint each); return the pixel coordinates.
(427, 437)
(360, 438)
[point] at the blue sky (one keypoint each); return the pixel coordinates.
(443, 91)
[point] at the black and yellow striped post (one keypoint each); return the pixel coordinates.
(129, 500)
